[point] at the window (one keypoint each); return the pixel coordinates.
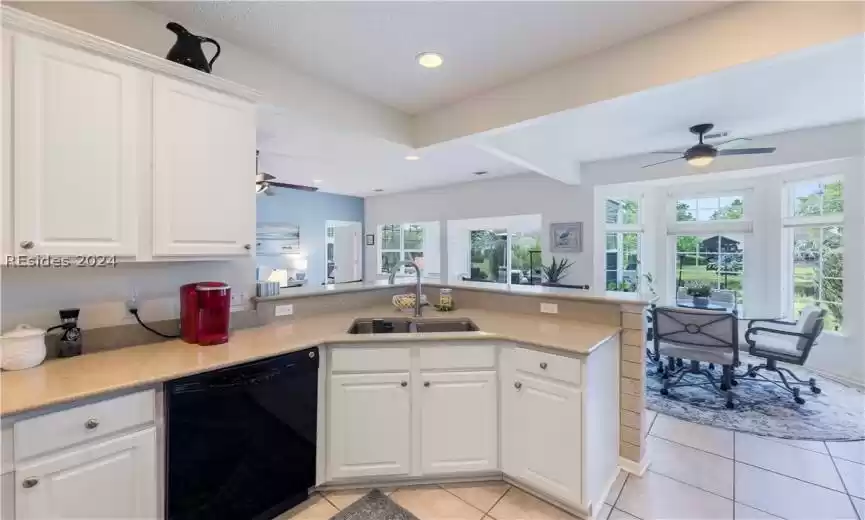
(709, 208)
(716, 261)
(488, 255)
(623, 245)
(815, 237)
(400, 242)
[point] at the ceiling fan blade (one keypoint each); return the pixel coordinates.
(292, 186)
(675, 153)
(719, 145)
(662, 162)
(745, 151)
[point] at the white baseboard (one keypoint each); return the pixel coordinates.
(635, 468)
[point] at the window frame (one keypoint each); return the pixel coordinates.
(620, 229)
(789, 224)
(402, 250)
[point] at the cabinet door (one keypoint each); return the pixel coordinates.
(112, 479)
(369, 425)
(204, 171)
(76, 151)
(545, 435)
(459, 418)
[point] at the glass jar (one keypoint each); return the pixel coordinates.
(446, 299)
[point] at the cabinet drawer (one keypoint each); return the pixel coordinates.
(445, 357)
(57, 430)
(549, 365)
(360, 359)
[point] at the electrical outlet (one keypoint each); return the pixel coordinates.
(283, 310)
(550, 308)
(238, 301)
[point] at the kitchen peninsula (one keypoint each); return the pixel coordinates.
(533, 398)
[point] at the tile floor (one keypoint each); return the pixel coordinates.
(697, 472)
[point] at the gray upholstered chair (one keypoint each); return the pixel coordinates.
(788, 342)
(700, 337)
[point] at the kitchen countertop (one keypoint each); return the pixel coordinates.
(562, 293)
(65, 380)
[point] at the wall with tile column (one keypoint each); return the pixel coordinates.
(632, 387)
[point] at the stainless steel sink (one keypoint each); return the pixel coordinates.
(411, 325)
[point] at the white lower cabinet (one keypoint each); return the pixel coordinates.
(114, 478)
(543, 435)
(459, 422)
(369, 418)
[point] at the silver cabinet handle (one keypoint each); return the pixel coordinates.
(426, 384)
(30, 482)
(311, 355)
(544, 365)
(91, 424)
(247, 246)
(404, 384)
(27, 244)
(518, 385)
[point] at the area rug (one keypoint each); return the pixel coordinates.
(836, 414)
(374, 506)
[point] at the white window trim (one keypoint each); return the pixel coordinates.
(789, 223)
(606, 228)
(402, 250)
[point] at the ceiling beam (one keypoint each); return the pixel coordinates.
(740, 33)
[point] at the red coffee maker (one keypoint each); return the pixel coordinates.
(205, 310)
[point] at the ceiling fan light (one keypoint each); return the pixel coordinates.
(701, 160)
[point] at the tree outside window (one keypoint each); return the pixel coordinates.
(714, 261)
(815, 223)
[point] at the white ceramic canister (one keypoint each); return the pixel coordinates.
(22, 347)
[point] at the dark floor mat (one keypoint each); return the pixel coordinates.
(374, 506)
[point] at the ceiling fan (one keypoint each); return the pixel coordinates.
(264, 182)
(702, 154)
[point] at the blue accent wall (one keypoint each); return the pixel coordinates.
(309, 211)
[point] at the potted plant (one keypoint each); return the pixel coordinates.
(700, 293)
(556, 271)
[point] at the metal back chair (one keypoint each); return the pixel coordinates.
(698, 336)
(786, 341)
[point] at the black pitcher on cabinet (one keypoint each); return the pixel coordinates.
(187, 49)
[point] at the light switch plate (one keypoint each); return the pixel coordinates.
(550, 308)
(283, 310)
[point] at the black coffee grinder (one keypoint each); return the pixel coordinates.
(70, 343)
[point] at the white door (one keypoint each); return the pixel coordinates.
(369, 425)
(544, 437)
(347, 250)
(203, 171)
(76, 151)
(111, 479)
(459, 422)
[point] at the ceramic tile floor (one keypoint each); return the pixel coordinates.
(697, 472)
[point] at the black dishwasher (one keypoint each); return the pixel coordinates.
(241, 440)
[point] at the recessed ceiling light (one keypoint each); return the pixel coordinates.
(317, 181)
(430, 60)
(412, 157)
(378, 190)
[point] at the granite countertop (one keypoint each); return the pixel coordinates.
(65, 380)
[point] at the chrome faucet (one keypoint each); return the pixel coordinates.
(417, 296)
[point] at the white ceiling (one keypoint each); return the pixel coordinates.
(370, 47)
(810, 88)
(352, 164)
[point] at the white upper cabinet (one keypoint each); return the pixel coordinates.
(459, 422)
(77, 119)
(120, 153)
(203, 171)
